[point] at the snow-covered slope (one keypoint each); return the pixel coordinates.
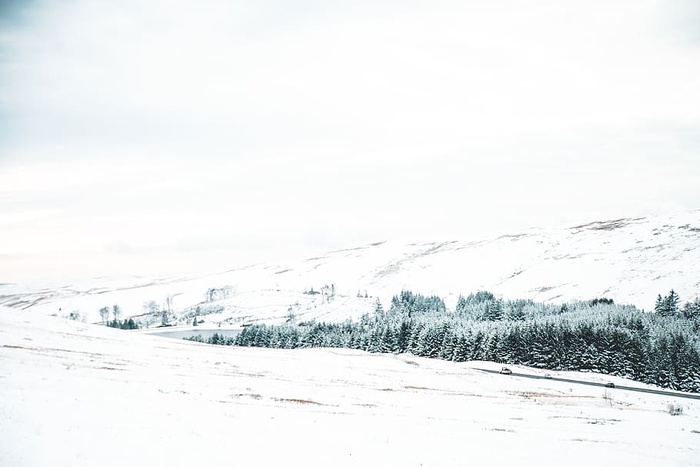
(629, 260)
(73, 394)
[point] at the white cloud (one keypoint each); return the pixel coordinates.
(163, 125)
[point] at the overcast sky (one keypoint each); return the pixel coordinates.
(147, 134)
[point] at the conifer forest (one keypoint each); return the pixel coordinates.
(660, 348)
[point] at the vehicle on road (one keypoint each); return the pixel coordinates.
(609, 385)
(505, 371)
(547, 376)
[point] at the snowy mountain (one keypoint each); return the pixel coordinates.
(76, 395)
(629, 260)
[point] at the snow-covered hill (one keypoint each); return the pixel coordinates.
(628, 260)
(76, 395)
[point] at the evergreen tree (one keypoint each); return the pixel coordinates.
(672, 300)
(378, 308)
(691, 310)
(494, 310)
(404, 336)
(480, 297)
(461, 306)
(660, 306)
(668, 305)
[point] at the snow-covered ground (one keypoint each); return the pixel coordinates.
(628, 260)
(73, 394)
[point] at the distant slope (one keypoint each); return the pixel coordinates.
(629, 260)
(78, 395)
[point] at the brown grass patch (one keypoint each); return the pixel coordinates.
(532, 395)
(299, 401)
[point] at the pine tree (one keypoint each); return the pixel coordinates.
(672, 300)
(668, 305)
(404, 336)
(378, 308)
(461, 352)
(461, 306)
(494, 311)
(660, 306)
(691, 310)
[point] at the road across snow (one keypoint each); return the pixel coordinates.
(73, 394)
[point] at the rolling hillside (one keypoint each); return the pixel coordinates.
(629, 260)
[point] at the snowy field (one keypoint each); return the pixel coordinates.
(73, 394)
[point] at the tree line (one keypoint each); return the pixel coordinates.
(661, 348)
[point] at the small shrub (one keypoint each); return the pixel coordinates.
(675, 409)
(76, 316)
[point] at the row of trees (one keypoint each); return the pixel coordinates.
(218, 293)
(327, 291)
(598, 335)
(116, 313)
(670, 306)
(216, 339)
(126, 324)
(105, 311)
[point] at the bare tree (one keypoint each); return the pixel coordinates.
(151, 307)
(104, 314)
(167, 309)
(210, 295)
(291, 315)
(116, 312)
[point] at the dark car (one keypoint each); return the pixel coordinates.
(505, 371)
(609, 385)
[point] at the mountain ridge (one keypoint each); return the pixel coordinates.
(630, 260)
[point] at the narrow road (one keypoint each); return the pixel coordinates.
(659, 392)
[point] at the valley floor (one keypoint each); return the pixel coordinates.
(73, 394)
